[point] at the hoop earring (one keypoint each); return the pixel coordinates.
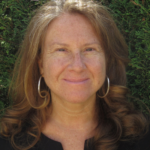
(39, 84)
(107, 89)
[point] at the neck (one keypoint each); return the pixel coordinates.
(73, 116)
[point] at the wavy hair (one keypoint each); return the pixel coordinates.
(117, 118)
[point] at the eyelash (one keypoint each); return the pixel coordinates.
(60, 49)
(90, 49)
(87, 49)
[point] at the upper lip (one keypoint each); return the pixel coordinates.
(76, 80)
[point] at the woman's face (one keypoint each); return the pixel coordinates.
(73, 62)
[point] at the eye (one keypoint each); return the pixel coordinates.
(61, 50)
(89, 49)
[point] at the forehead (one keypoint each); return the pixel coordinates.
(71, 27)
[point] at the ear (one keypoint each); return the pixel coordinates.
(40, 64)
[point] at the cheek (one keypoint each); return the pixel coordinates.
(98, 70)
(100, 73)
(98, 65)
(53, 67)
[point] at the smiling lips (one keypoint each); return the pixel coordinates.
(76, 81)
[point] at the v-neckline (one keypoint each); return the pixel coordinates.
(46, 143)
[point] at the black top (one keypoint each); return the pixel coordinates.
(48, 144)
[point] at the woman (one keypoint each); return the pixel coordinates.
(69, 81)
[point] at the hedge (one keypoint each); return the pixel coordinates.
(132, 18)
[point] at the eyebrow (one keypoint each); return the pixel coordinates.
(57, 43)
(63, 44)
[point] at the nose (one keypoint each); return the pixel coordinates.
(77, 64)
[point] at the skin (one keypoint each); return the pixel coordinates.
(74, 68)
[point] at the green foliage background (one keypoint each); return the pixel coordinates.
(132, 18)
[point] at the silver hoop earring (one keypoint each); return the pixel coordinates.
(39, 84)
(107, 89)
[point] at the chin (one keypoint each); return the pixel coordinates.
(80, 98)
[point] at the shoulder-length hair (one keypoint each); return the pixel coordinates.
(117, 118)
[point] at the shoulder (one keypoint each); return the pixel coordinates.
(144, 143)
(139, 144)
(5, 143)
(43, 143)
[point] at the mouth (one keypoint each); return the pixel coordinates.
(76, 81)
